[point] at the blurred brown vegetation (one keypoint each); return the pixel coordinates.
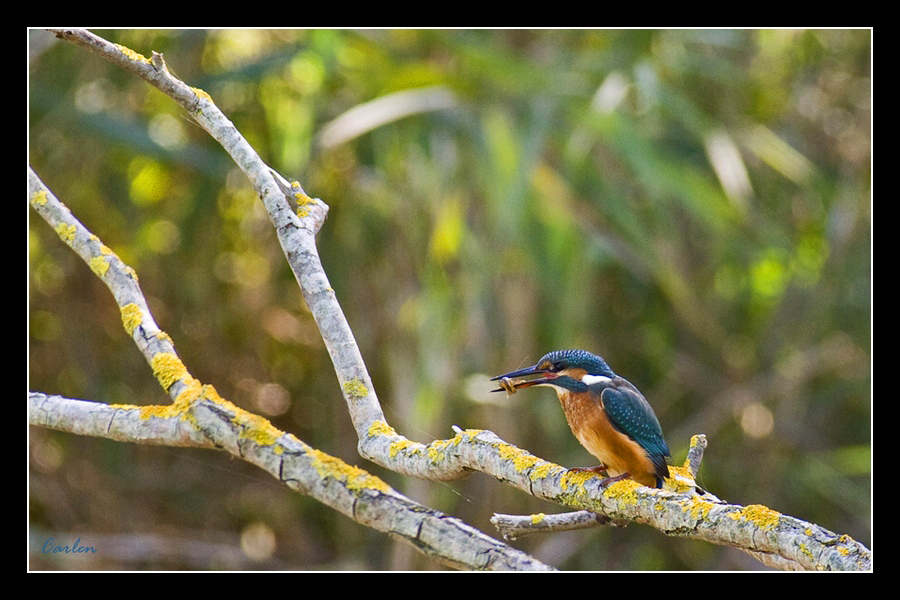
(692, 205)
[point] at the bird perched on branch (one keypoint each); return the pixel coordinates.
(607, 414)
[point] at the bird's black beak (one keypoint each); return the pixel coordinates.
(510, 385)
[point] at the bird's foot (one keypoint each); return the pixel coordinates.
(601, 468)
(610, 480)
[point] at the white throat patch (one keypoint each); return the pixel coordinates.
(589, 379)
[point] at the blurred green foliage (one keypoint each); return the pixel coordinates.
(695, 206)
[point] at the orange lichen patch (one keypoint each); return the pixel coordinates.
(303, 205)
(680, 480)
(464, 435)
(844, 542)
(160, 411)
(381, 428)
(762, 516)
(403, 445)
(544, 469)
(256, 428)
(131, 317)
(131, 54)
(99, 265)
(202, 94)
(66, 233)
(355, 479)
(355, 389)
(521, 460)
(437, 450)
(167, 368)
(574, 479)
(624, 491)
(697, 507)
(192, 392)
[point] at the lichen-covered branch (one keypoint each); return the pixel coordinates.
(212, 422)
(677, 510)
(682, 509)
(200, 417)
(515, 526)
(296, 231)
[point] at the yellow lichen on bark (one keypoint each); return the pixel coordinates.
(167, 368)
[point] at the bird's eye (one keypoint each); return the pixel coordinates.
(558, 366)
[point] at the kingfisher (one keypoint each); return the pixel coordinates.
(608, 415)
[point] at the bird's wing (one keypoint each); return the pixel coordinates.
(630, 413)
